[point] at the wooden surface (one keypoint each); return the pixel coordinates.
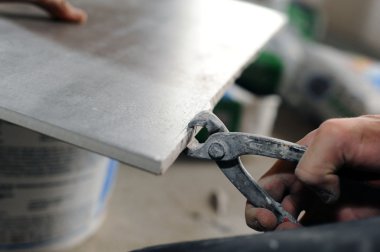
(127, 83)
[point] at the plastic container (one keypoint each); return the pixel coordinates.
(334, 83)
(52, 195)
(240, 110)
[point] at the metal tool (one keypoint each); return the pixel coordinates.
(226, 148)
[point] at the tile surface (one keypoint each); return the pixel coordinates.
(126, 83)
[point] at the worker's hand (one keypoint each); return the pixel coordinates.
(58, 9)
(337, 179)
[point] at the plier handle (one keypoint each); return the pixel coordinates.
(226, 148)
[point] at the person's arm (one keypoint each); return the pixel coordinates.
(337, 179)
(58, 9)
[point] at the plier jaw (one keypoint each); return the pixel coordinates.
(208, 120)
(213, 125)
(226, 148)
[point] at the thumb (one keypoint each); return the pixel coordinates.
(325, 154)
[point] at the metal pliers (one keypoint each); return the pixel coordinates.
(226, 147)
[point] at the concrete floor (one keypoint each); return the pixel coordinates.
(148, 210)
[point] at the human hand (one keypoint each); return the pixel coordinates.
(337, 179)
(58, 9)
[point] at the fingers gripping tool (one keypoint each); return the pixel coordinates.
(225, 148)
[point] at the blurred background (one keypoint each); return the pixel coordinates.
(323, 64)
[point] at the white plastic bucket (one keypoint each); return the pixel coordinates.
(52, 194)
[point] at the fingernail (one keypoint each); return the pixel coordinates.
(77, 15)
(326, 196)
(257, 225)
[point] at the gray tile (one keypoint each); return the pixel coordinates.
(127, 83)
